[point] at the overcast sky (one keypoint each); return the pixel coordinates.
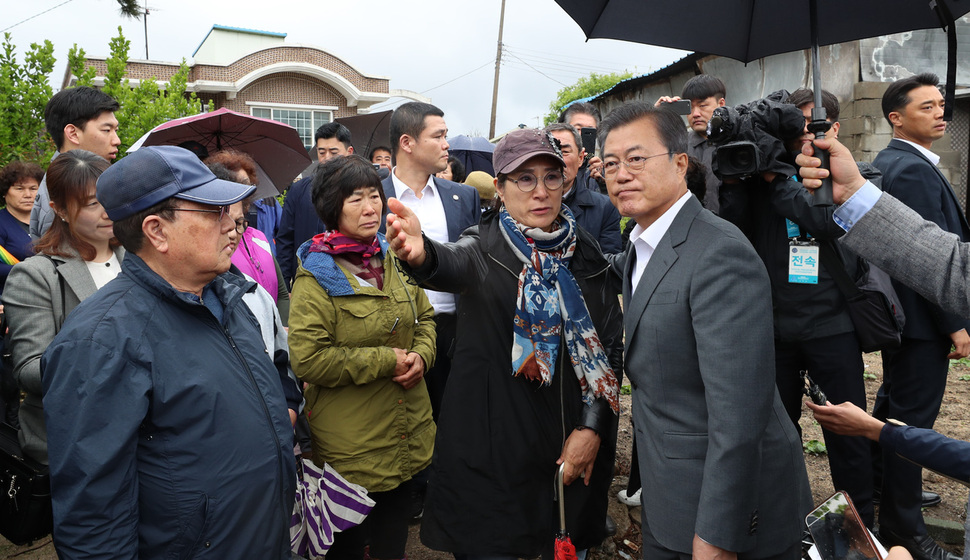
(444, 49)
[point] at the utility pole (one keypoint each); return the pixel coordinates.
(145, 16)
(498, 65)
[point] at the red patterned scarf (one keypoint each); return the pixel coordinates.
(358, 254)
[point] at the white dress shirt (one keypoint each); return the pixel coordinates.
(645, 240)
(431, 212)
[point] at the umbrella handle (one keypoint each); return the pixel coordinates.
(560, 496)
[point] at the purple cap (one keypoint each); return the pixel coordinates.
(150, 175)
(520, 145)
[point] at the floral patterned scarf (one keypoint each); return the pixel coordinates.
(550, 307)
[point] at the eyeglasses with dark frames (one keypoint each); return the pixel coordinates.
(222, 211)
(527, 182)
(634, 164)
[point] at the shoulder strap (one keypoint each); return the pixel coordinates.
(833, 263)
(60, 284)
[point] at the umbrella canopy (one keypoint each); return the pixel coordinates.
(474, 152)
(747, 30)
(276, 147)
(368, 131)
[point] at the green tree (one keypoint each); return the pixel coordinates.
(144, 106)
(24, 92)
(585, 87)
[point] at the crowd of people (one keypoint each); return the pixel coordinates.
(449, 340)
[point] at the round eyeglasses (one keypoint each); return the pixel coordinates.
(527, 182)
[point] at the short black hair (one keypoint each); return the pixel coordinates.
(801, 96)
(673, 134)
(336, 180)
(334, 130)
(75, 106)
(582, 108)
(376, 149)
(409, 119)
(897, 94)
(128, 230)
(457, 169)
(703, 86)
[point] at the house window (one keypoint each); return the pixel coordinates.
(305, 121)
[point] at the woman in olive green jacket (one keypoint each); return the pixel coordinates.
(362, 338)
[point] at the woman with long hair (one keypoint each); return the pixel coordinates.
(77, 256)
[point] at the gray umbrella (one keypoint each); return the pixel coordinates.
(747, 30)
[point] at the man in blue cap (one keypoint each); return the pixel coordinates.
(168, 429)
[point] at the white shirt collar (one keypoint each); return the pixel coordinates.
(400, 189)
(655, 231)
(934, 159)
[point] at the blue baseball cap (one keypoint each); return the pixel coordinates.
(152, 174)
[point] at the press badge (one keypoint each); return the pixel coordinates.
(803, 263)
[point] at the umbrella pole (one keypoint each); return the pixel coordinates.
(819, 124)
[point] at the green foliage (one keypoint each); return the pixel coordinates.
(585, 87)
(815, 447)
(625, 390)
(964, 378)
(24, 92)
(960, 362)
(869, 376)
(129, 9)
(143, 106)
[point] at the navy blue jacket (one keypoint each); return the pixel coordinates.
(917, 183)
(461, 203)
(167, 426)
(14, 239)
(929, 449)
(595, 213)
(298, 223)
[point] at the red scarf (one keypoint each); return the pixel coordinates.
(358, 254)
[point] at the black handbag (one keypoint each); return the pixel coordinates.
(25, 492)
(873, 304)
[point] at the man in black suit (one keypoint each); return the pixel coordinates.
(445, 208)
(915, 374)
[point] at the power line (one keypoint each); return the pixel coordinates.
(36, 15)
(459, 77)
(546, 53)
(537, 70)
(567, 62)
(568, 69)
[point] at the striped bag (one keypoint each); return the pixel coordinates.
(325, 504)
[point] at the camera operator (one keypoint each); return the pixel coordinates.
(813, 330)
(706, 93)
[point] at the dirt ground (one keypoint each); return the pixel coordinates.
(954, 421)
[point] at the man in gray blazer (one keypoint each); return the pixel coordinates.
(722, 467)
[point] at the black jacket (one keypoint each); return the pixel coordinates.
(759, 209)
(499, 436)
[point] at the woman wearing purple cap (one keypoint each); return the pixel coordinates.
(534, 378)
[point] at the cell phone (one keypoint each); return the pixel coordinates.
(681, 107)
(589, 140)
(839, 532)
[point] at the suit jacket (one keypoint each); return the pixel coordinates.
(718, 454)
(594, 213)
(914, 251)
(917, 183)
(40, 294)
(461, 204)
(298, 222)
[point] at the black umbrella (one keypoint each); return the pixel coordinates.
(368, 131)
(747, 30)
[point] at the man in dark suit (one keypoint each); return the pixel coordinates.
(299, 221)
(722, 467)
(591, 208)
(914, 376)
(445, 208)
